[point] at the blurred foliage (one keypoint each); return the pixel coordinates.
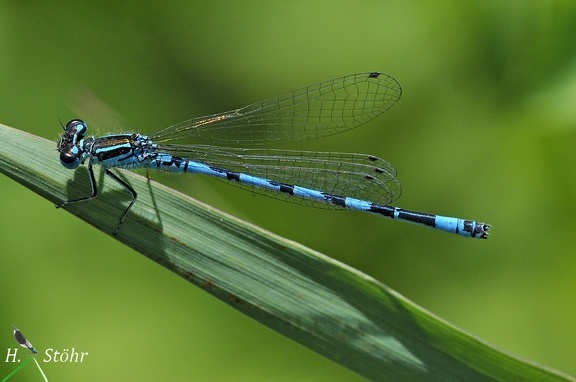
(484, 130)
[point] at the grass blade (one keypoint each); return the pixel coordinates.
(333, 309)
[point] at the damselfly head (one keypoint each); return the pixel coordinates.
(68, 146)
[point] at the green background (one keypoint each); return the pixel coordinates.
(485, 130)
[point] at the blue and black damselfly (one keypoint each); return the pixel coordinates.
(214, 145)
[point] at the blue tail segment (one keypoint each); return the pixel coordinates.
(321, 179)
(465, 228)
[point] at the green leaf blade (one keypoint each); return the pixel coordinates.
(327, 306)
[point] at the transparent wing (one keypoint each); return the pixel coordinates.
(316, 111)
(355, 175)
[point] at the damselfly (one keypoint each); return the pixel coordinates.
(211, 145)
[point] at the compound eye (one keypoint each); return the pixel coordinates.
(76, 127)
(69, 159)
